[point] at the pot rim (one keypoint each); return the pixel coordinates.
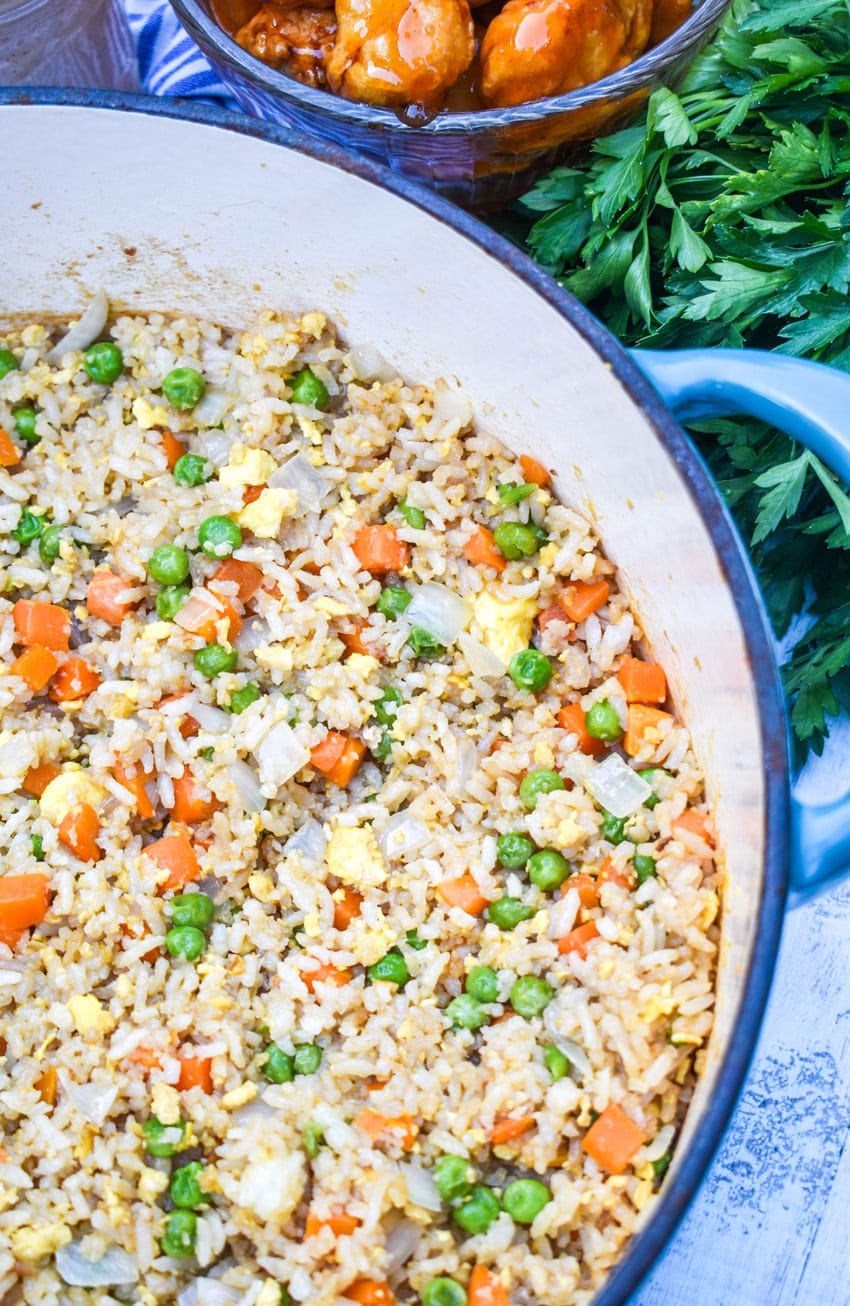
(639, 75)
(647, 1245)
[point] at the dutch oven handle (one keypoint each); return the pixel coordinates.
(810, 402)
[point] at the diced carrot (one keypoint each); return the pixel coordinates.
(696, 823)
(353, 639)
(612, 1140)
(252, 493)
(375, 1085)
(370, 1292)
(9, 452)
(486, 1288)
(133, 778)
(402, 1128)
(140, 931)
(571, 718)
(203, 613)
(581, 598)
(378, 549)
(643, 727)
(174, 854)
(172, 448)
(24, 900)
(480, 549)
(144, 1057)
(38, 778)
(35, 667)
(42, 623)
(578, 939)
(509, 1128)
(79, 831)
(346, 908)
(75, 679)
(246, 575)
(534, 471)
(105, 597)
(46, 1085)
(325, 973)
(340, 1223)
(196, 1072)
(553, 613)
(643, 682)
(192, 802)
(588, 894)
(188, 725)
(464, 893)
(338, 757)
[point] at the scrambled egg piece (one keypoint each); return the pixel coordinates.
(165, 1104)
(505, 626)
(30, 1243)
(88, 1015)
(239, 1095)
(67, 791)
(354, 857)
(269, 1294)
(331, 607)
(246, 467)
(362, 664)
(151, 1184)
(264, 516)
(149, 415)
(274, 656)
(262, 886)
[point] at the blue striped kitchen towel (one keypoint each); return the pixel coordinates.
(169, 61)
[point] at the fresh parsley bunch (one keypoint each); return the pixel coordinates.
(723, 218)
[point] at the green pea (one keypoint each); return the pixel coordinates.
(508, 912)
(524, 1199)
(514, 849)
(208, 753)
(392, 968)
(387, 706)
(423, 645)
(8, 363)
(443, 1292)
(185, 942)
(25, 419)
(383, 750)
(414, 517)
(547, 870)
(219, 536)
(279, 1067)
(49, 545)
(104, 362)
(453, 1176)
(515, 541)
(556, 1063)
(645, 867)
(170, 600)
(413, 941)
(530, 996)
(184, 1190)
(285, 1299)
(244, 697)
(662, 1164)
(308, 389)
(307, 1059)
(477, 1211)
(511, 493)
(191, 469)
(536, 783)
(602, 722)
(163, 1140)
(195, 909)
(650, 774)
(483, 983)
(393, 601)
(181, 1231)
(530, 669)
(466, 1012)
(613, 827)
(313, 1137)
(37, 845)
(28, 528)
(183, 387)
(214, 659)
(169, 564)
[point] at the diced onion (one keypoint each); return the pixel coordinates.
(309, 841)
(281, 755)
(466, 762)
(113, 1270)
(85, 331)
(208, 1292)
(369, 364)
(481, 661)
(253, 635)
(617, 787)
(440, 611)
(309, 484)
(215, 445)
(209, 718)
(452, 405)
(210, 410)
(402, 834)
(94, 1101)
(247, 785)
(421, 1188)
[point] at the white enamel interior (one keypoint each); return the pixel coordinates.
(172, 215)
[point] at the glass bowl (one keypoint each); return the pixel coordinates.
(479, 158)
